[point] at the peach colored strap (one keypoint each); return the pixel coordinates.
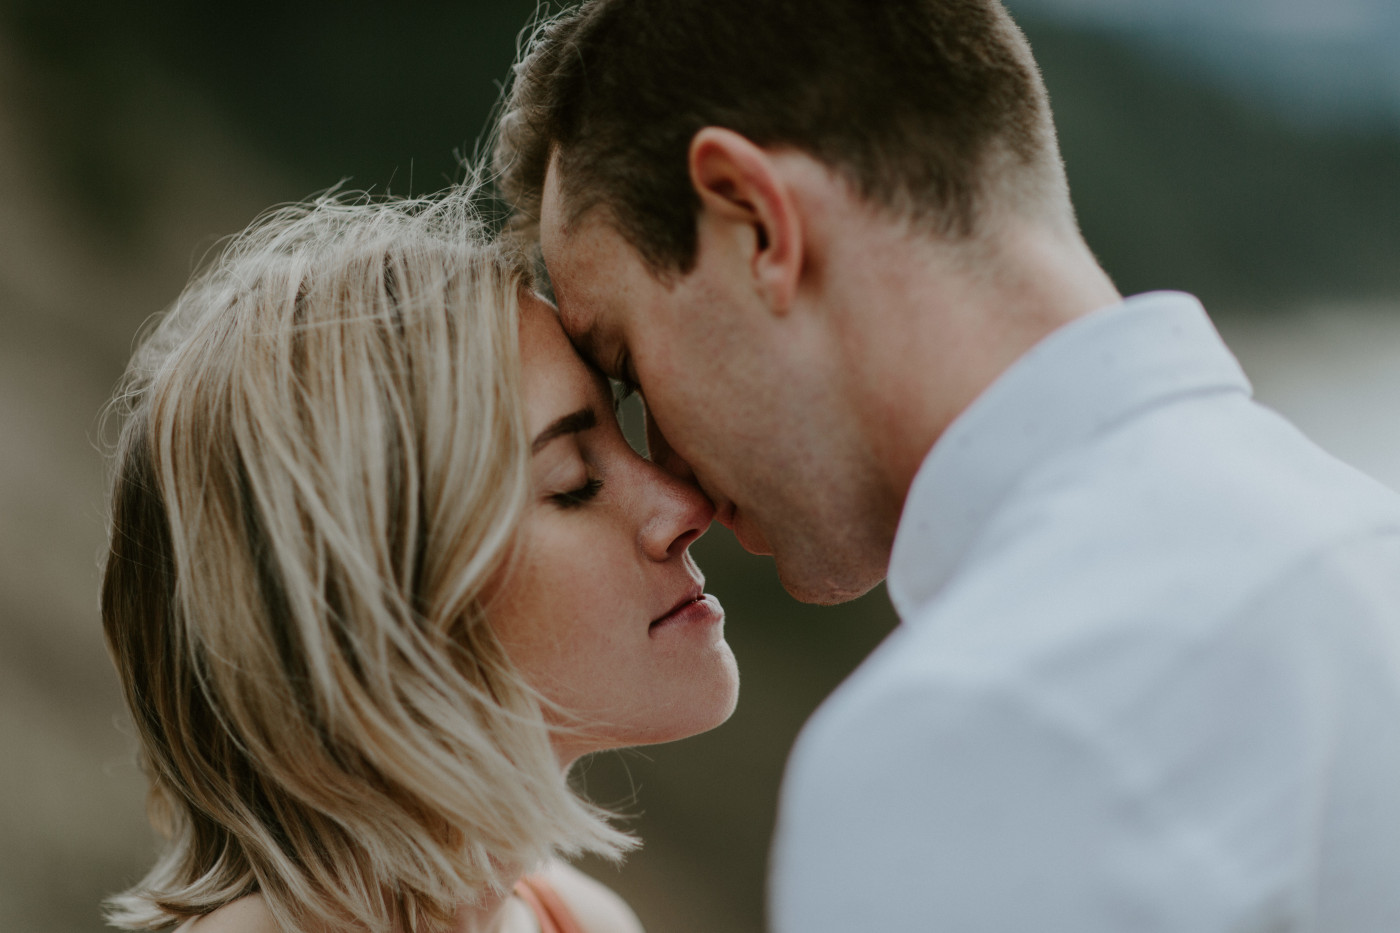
(553, 914)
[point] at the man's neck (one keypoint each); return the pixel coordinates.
(933, 325)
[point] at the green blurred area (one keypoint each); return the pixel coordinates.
(133, 136)
(1177, 183)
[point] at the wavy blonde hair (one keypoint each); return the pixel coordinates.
(321, 464)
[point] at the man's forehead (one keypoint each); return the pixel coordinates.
(574, 233)
(580, 322)
(572, 261)
(559, 244)
(549, 219)
(551, 234)
(561, 226)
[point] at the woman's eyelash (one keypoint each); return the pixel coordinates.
(576, 497)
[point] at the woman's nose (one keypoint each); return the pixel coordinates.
(678, 512)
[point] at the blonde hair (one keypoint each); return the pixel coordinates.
(321, 465)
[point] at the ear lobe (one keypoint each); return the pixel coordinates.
(742, 187)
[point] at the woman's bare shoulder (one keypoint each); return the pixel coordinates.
(597, 907)
(245, 915)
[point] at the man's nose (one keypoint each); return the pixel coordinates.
(660, 452)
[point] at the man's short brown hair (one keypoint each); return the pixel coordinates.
(926, 107)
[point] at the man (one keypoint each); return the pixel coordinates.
(1148, 671)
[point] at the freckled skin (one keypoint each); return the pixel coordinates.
(754, 407)
(598, 564)
(817, 346)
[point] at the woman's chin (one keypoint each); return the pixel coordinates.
(705, 706)
(712, 703)
(716, 705)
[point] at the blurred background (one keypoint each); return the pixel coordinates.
(1246, 151)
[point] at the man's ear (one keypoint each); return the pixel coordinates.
(739, 182)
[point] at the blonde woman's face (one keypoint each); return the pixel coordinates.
(604, 610)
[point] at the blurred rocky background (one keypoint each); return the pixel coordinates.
(1248, 152)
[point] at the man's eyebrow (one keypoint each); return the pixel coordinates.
(572, 423)
(586, 339)
(587, 344)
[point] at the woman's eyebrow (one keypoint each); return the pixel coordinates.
(572, 423)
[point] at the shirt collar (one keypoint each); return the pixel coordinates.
(1083, 377)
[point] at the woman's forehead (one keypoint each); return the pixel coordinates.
(556, 381)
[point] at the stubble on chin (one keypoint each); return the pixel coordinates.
(828, 569)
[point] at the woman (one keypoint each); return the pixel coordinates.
(382, 567)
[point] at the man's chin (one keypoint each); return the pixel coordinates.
(811, 574)
(824, 592)
(819, 580)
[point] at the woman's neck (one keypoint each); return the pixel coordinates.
(495, 913)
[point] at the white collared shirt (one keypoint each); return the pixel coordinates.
(1147, 677)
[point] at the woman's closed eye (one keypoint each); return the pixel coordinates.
(574, 498)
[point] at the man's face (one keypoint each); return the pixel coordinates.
(746, 401)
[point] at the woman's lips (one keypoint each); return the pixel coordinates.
(694, 610)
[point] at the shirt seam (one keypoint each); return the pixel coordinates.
(1096, 433)
(1132, 788)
